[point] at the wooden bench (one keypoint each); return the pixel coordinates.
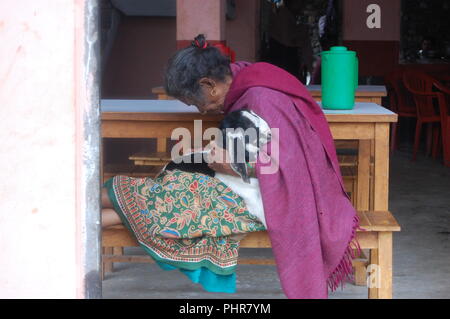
(152, 162)
(378, 226)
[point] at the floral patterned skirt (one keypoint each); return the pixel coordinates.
(185, 220)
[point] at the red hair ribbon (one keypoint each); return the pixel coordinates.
(205, 45)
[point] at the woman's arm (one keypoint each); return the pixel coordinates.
(224, 168)
(219, 161)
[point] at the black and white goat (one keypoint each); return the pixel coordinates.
(244, 133)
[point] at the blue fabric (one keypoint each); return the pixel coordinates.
(209, 280)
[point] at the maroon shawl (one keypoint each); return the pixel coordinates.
(310, 220)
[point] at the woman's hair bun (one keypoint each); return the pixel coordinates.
(189, 65)
(200, 42)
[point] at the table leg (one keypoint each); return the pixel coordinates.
(161, 145)
(377, 100)
(381, 167)
(363, 196)
(372, 174)
(362, 192)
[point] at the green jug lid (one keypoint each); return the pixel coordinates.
(338, 49)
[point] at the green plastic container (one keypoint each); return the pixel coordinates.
(339, 78)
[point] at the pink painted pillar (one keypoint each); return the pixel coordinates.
(200, 16)
(359, 17)
(44, 104)
(372, 29)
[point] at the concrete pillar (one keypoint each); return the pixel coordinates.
(200, 16)
(49, 193)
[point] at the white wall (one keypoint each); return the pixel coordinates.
(40, 223)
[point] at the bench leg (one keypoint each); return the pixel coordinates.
(118, 251)
(360, 275)
(373, 276)
(107, 265)
(102, 271)
(360, 269)
(354, 191)
(381, 265)
(385, 263)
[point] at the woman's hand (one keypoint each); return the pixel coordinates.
(224, 168)
(219, 160)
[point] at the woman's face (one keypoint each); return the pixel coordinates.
(213, 93)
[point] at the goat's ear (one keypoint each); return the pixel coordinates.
(241, 169)
(264, 133)
(236, 148)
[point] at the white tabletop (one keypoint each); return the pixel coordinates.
(362, 108)
(153, 106)
(174, 106)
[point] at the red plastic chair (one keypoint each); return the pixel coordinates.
(444, 105)
(421, 87)
(400, 101)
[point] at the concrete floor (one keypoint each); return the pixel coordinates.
(419, 199)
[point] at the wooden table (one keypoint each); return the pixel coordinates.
(368, 123)
(364, 93)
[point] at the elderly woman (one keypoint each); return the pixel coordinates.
(310, 220)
